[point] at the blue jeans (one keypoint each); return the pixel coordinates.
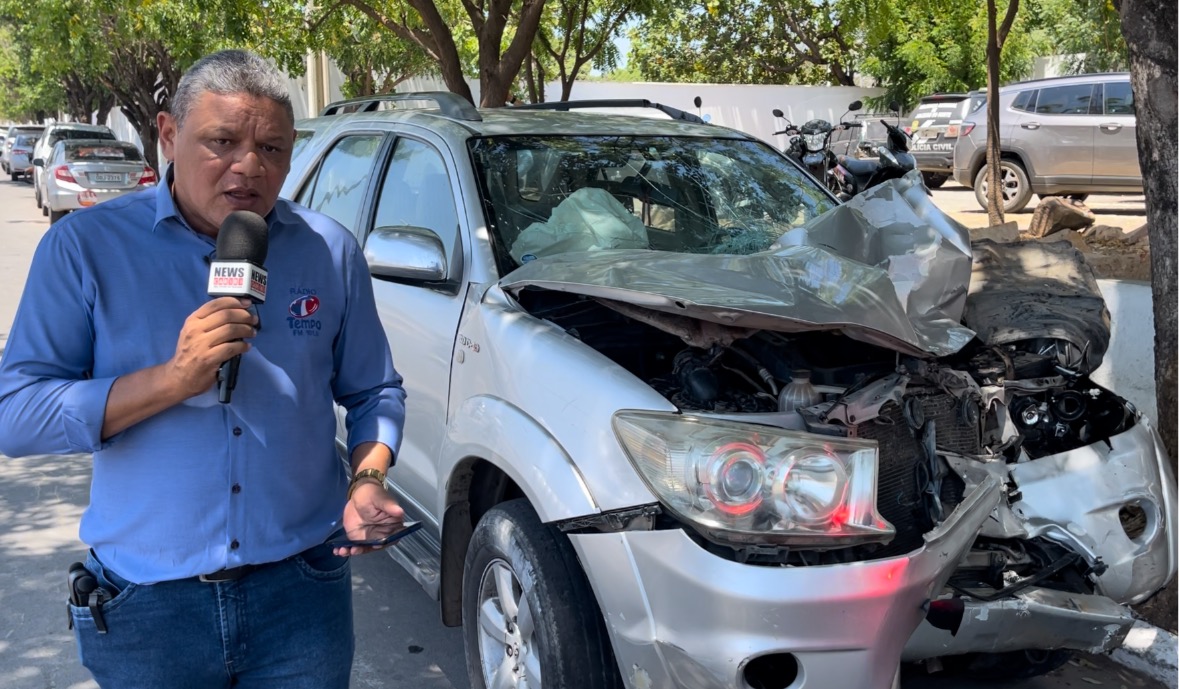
(285, 626)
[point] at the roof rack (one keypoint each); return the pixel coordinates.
(451, 104)
(566, 105)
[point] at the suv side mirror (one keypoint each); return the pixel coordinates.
(406, 253)
(38, 162)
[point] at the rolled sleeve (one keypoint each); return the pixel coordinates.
(366, 382)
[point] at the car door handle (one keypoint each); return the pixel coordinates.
(1030, 125)
(1110, 127)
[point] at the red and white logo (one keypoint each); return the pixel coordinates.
(304, 306)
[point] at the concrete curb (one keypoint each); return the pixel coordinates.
(1152, 651)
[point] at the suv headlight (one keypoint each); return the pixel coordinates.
(754, 484)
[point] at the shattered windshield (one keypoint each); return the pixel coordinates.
(560, 194)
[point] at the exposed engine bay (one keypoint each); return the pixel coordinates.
(1005, 403)
(881, 321)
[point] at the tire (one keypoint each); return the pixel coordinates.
(554, 635)
(14, 175)
(1011, 665)
(933, 180)
(37, 196)
(44, 210)
(1017, 191)
(54, 216)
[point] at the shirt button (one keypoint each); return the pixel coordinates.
(236, 489)
(237, 430)
(234, 545)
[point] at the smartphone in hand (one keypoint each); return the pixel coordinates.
(341, 540)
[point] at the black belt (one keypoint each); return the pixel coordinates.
(233, 573)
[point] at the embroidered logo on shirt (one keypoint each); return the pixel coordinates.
(300, 310)
(304, 306)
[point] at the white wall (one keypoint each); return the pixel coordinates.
(743, 107)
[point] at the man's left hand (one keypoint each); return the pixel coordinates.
(371, 513)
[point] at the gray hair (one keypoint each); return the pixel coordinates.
(226, 73)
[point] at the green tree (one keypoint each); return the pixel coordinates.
(26, 95)
(372, 59)
(1087, 32)
(577, 33)
(749, 42)
(137, 50)
(502, 31)
(917, 47)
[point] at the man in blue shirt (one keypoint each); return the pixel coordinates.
(206, 520)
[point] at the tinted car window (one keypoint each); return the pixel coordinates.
(1065, 100)
(1119, 98)
(339, 187)
(66, 134)
(1025, 100)
(83, 153)
(416, 191)
(26, 140)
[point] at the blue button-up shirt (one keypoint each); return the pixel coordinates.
(201, 486)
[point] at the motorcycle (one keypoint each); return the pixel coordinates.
(894, 160)
(810, 146)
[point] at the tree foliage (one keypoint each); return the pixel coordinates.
(749, 42)
(914, 48)
(26, 95)
(135, 51)
(502, 30)
(575, 34)
(372, 58)
(1088, 33)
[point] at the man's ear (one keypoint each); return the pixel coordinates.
(168, 130)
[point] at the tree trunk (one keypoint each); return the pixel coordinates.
(1150, 27)
(994, 173)
(530, 79)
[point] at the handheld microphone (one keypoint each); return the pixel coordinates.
(236, 271)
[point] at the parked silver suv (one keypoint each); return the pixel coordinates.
(1068, 136)
(676, 418)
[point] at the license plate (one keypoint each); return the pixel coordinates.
(107, 177)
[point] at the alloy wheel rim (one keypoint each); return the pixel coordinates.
(507, 653)
(1010, 185)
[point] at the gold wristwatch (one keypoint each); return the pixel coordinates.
(376, 474)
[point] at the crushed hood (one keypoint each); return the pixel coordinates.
(886, 268)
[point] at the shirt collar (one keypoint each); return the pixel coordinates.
(165, 206)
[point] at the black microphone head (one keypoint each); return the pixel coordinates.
(243, 237)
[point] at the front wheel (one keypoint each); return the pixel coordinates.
(530, 619)
(933, 180)
(1017, 191)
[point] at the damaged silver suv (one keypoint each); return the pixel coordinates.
(677, 418)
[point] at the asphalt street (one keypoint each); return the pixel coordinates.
(400, 640)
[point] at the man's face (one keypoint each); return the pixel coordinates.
(233, 153)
